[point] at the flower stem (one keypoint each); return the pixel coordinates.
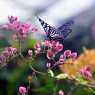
(55, 88)
(20, 49)
(41, 73)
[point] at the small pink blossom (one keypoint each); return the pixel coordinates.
(22, 90)
(6, 54)
(61, 59)
(30, 53)
(37, 45)
(59, 46)
(11, 50)
(2, 58)
(61, 92)
(62, 56)
(56, 46)
(37, 51)
(67, 53)
(74, 55)
(12, 19)
(47, 43)
(37, 48)
(86, 73)
(50, 54)
(87, 68)
(48, 65)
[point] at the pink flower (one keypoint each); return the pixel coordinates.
(67, 53)
(61, 59)
(87, 68)
(59, 46)
(22, 30)
(12, 19)
(6, 54)
(86, 74)
(56, 46)
(37, 45)
(30, 53)
(2, 58)
(48, 65)
(50, 54)
(37, 51)
(53, 45)
(47, 43)
(11, 50)
(74, 55)
(22, 90)
(61, 92)
(62, 56)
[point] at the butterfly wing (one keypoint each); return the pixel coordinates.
(65, 29)
(56, 34)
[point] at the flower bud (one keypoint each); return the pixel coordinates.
(74, 55)
(22, 90)
(30, 53)
(50, 54)
(67, 53)
(48, 65)
(61, 92)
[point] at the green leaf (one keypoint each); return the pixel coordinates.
(50, 72)
(62, 76)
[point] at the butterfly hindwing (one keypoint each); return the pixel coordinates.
(66, 28)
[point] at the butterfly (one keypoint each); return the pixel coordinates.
(59, 33)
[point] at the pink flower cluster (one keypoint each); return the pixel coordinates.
(86, 73)
(54, 48)
(67, 54)
(7, 53)
(20, 28)
(51, 48)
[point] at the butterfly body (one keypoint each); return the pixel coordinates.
(59, 33)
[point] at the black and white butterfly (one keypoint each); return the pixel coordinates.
(57, 34)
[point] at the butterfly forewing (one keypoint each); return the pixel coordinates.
(50, 31)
